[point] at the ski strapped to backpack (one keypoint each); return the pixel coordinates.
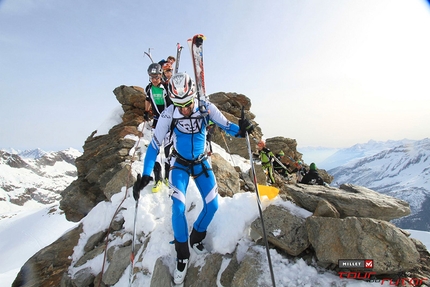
(280, 163)
(254, 175)
(196, 47)
(178, 57)
(149, 55)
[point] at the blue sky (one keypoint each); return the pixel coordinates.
(326, 73)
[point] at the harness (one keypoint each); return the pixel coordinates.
(189, 164)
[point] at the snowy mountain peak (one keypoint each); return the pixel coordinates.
(35, 178)
(33, 153)
(400, 169)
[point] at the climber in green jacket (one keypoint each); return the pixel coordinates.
(267, 158)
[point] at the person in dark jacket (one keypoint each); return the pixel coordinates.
(312, 177)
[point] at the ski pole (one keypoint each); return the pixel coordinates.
(133, 244)
(228, 149)
(259, 202)
(119, 208)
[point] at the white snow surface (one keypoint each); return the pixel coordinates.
(24, 234)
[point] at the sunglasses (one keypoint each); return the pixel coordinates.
(157, 77)
(168, 70)
(185, 105)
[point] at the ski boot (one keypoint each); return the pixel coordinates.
(196, 243)
(158, 179)
(157, 186)
(183, 253)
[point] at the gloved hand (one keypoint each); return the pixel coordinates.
(146, 116)
(140, 183)
(245, 126)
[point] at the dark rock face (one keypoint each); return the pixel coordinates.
(46, 267)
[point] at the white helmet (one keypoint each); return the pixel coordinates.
(181, 88)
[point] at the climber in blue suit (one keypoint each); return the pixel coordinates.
(189, 158)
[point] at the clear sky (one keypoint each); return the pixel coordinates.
(326, 73)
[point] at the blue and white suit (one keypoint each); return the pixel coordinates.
(190, 143)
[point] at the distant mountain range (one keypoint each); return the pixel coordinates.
(34, 177)
(398, 168)
(33, 153)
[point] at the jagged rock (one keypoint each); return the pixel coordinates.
(119, 179)
(227, 177)
(249, 270)
(117, 224)
(325, 209)
(79, 198)
(366, 238)
(288, 146)
(90, 255)
(83, 277)
(228, 274)
(205, 275)
(230, 104)
(349, 200)
(120, 261)
(161, 276)
(66, 281)
(94, 240)
(283, 229)
(423, 270)
(46, 267)
(102, 169)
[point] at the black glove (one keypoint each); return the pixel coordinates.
(245, 126)
(140, 183)
(146, 116)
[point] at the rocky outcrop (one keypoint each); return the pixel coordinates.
(103, 168)
(47, 267)
(228, 184)
(352, 237)
(349, 200)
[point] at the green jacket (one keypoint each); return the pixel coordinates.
(266, 156)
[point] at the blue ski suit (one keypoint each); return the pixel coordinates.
(188, 159)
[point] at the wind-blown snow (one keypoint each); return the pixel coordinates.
(114, 118)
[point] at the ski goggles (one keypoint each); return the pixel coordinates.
(185, 105)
